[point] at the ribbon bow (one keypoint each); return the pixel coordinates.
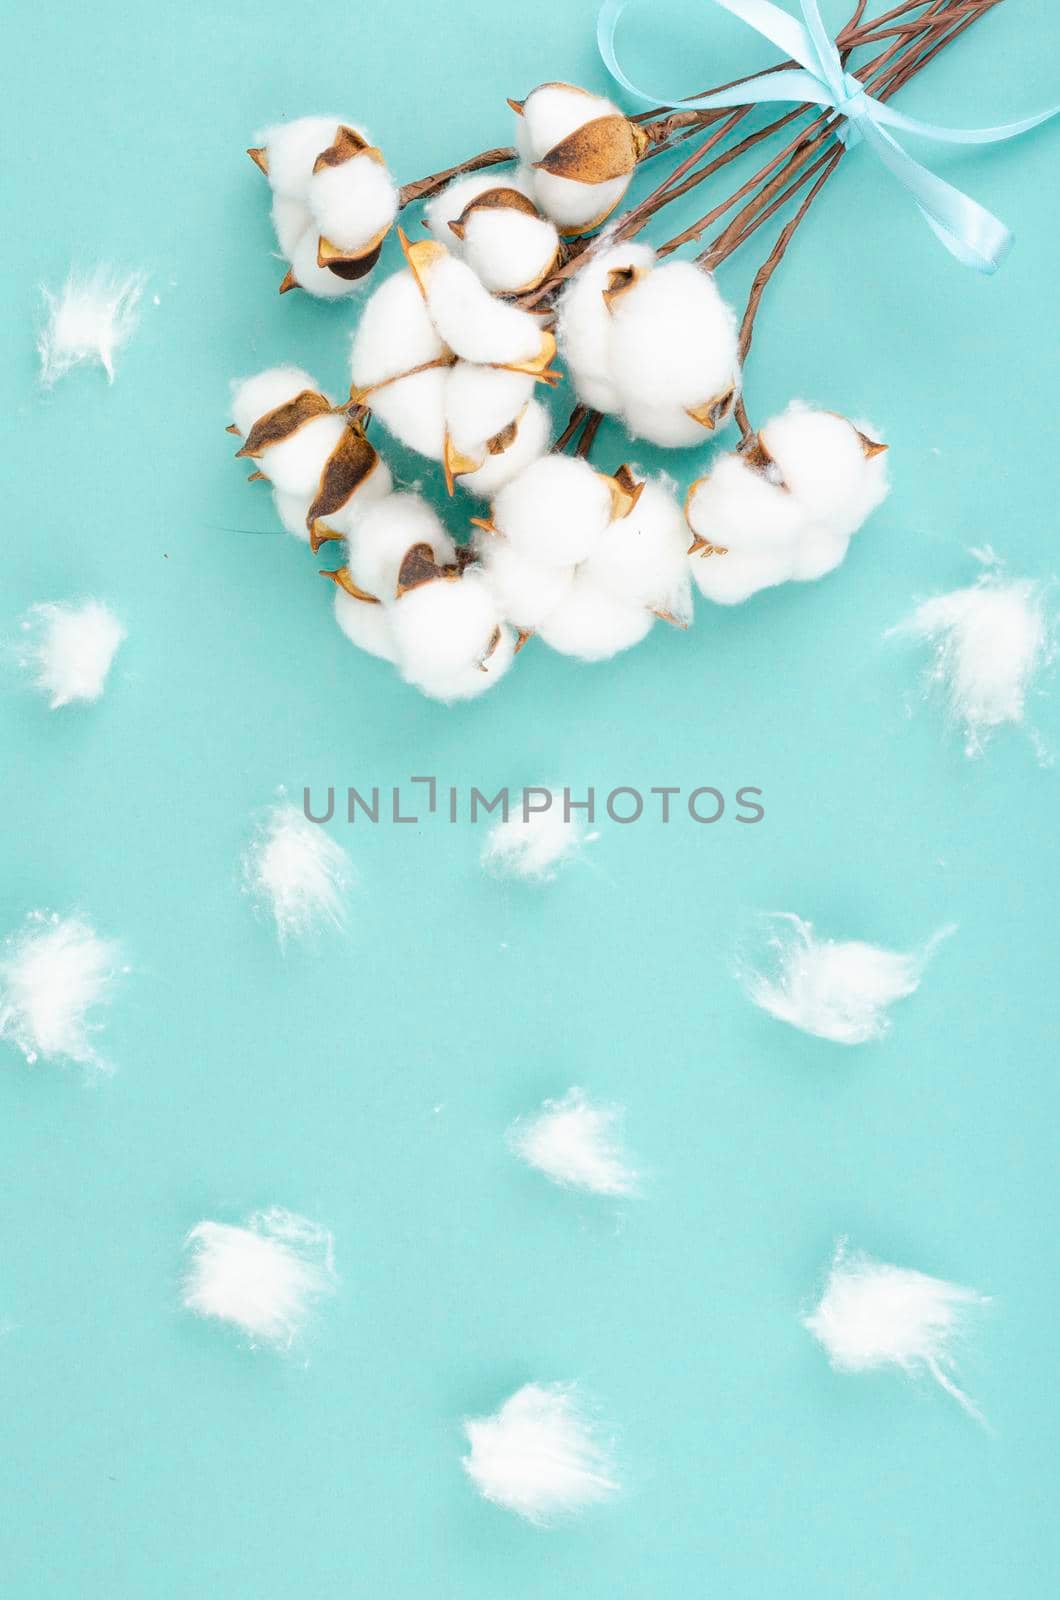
(970, 232)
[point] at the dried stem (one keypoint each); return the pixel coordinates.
(424, 187)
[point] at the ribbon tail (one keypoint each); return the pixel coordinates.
(885, 116)
(969, 232)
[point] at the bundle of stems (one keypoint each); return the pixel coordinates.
(911, 34)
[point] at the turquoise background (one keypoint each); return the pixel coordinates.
(366, 1080)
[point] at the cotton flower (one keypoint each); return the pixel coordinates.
(88, 320)
(296, 872)
(784, 507)
(576, 1144)
(69, 649)
(836, 989)
(533, 844)
(581, 153)
(874, 1315)
(263, 1277)
(539, 1455)
(335, 201)
(449, 636)
(654, 344)
(55, 975)
(988, 641)
(494, 225)
(310, 452)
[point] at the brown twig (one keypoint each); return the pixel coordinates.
(585, 443)
(423, 187)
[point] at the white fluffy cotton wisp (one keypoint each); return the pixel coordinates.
(55, 975)
(987, 641)
(840, 990)
(785, 506)
(576, 1144)
(556, 511)
(296, 872)
(533, 844)
(874, 1315)
(540, 1455)
(492, 222)
(90, 319)
(68, 648)
(263, 1277)
(580, 153)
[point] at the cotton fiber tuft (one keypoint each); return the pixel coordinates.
(580, 153)
(69, 647)
(533, 846)
(576, 1144)
(837, 990)
(539, 1455)
(88, 320)
(873, 1315)
(988, 641)
(263, 1277)
(297, 872)
(54, 977)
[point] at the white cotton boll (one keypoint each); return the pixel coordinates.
(413, 410)
(292, 149)
(253, 398)
(475, 325)
(819, 551)
(539, 1455)
(293, 510)
(551, 113)
(450, 203)
(576, 1144)
(821, 459)
(574, 206)
(366, 626)
(444, 627)
(293, 465)
(526, 591)
(394, 334)
(383, 537)
(54, 976)
(88, 320)
(593, 625)
(509, 250)
(481, 402)
(668, 426)
(874, 1315)
(296, 872)
(839, 990)
(533, 432)
(642, 557)
(354, 202)
(555, 511)
(741, 510)
(533, 845)
(988, 642)
(69, 649)
(674, 343)
(263, 1277)
(584, 327)
(315, 279)
(290, 220)
(730, 579)
(469, 681)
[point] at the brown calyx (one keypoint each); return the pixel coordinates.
(351, 462)
(605, 148)
(283, 421)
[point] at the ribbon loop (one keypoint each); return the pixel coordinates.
(968, 231)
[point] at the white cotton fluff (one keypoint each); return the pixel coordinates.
(576, 1144)
(642, 557)
(450, 203)
(290, 220)
(366, 626)
(533, 431)
(673, 346)
(316, 280)
(292, 149)
(353, 203)
(296, 872)
(549, 115)
(294, 464)
(476, 326)
(54, 976)
(443, 630)
(480, 402)
(383, 537)
(822, 460)
(555, 511)
(88, 320)
(293, 511)
(585, 326)
(255, 397)
(526, 591)
(534, 845)
(873, 1315)
(593, 625)
(413, 410)
(508, 250)
(395, 333)
(539, 1455)
(69, 649)
(988, 642)
(263, 1277)
(835, 989)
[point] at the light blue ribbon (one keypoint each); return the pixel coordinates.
(969, 232)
